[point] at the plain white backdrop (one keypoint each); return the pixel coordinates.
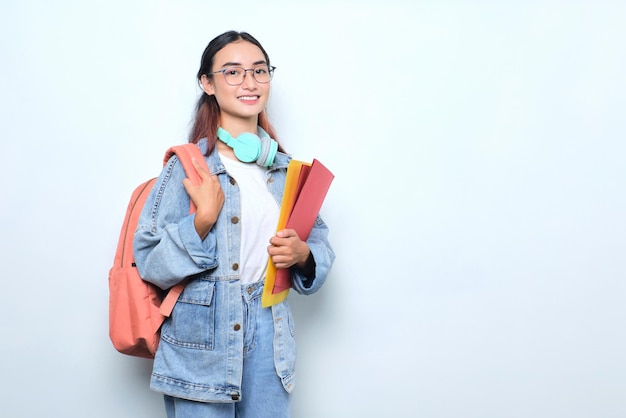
(477, 211)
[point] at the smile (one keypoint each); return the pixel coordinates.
(248, 98)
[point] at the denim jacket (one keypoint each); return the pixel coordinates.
(200, 355)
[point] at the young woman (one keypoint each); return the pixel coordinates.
(221, 354)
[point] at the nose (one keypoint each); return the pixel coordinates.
(248, 80)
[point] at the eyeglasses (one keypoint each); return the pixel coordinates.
(235, 76)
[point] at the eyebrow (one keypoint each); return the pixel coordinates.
(238, 64)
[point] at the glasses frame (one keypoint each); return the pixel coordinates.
(270, 70)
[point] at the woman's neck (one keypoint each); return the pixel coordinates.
(236, 127)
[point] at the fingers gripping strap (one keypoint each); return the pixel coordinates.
(185, 153)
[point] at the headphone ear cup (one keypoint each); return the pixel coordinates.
(247, 147)
(269, 147)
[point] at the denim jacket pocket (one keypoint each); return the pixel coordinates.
(192, 323)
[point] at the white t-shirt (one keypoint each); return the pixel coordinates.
(259, 217)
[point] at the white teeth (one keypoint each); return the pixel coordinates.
(249, 97)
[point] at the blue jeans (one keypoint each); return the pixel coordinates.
(263, 395)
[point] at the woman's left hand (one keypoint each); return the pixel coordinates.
(286, 249)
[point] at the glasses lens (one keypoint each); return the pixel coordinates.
(234, 75)
(263, 74)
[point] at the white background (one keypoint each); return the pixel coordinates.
(477, 211)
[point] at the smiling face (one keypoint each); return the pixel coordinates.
(239, 105)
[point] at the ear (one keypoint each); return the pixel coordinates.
(207, 85)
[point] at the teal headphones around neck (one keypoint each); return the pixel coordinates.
(249, 147)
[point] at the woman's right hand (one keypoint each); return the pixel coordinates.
(208, 198)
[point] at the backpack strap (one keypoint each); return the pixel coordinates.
(185, 154)
(167, 305)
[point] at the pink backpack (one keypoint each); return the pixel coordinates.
(138, 308)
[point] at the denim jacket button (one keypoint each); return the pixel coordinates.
(234, 397)
(235, 266)
(234, 220)
(237, 327)
(250, 290)
(232, 181)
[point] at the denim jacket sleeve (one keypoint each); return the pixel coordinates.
(323, 255)
(167, 247)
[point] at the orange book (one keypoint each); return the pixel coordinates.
(305, 190)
